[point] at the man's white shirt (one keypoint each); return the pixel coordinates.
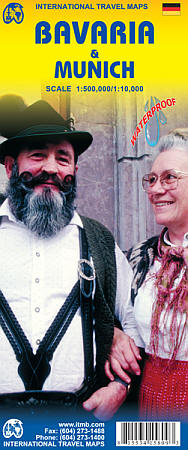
(36, 276)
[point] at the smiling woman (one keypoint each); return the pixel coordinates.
(160, 287)
(169, 200)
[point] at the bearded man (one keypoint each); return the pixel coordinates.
(62, 275)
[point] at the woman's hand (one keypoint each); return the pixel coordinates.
(124, 356)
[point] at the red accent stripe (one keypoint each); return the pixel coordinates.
(171, 8)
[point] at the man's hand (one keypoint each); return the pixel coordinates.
(123, 356)
(106, 401)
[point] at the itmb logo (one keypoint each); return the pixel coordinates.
(13, 427)
(13, 12)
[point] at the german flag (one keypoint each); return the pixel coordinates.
(171, 9)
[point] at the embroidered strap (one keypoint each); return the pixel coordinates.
(60, 324)
(141, 258)
(12, 329)
(86, 304)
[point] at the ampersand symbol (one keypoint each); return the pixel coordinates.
(94, 54)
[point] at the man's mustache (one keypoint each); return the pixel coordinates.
(30, 181)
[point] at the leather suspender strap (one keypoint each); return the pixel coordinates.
(87, 287)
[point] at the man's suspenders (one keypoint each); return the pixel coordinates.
(34, 369)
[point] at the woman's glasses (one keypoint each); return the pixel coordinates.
(168, 179)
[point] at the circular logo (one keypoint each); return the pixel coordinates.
(13, 12)
(13, 427)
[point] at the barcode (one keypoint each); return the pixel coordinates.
(148, 433)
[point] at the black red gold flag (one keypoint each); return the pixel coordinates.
(171, 9)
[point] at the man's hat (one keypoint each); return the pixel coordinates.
(40, 121)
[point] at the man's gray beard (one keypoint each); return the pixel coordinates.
(45, 214)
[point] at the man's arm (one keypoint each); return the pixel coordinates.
(124, 356)
(106, 401)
